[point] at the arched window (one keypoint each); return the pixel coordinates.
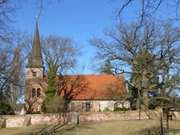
(33, 93)
(38, 92)
(34, 74)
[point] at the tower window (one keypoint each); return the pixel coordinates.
(34, 74)
(38, 92)
(33, 94)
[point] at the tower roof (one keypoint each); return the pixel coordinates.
(35, 58)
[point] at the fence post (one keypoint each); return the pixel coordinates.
(161, 123)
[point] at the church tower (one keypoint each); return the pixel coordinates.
(35, 62)
(34, 76)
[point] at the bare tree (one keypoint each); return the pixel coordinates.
(168, 57)
(15, 78)
(148, 8)
(70, 87)
(7, 9)
(115, 90)
(6, 12)
(10, 87)
(60, 52)
(124, 45)
(60, 57)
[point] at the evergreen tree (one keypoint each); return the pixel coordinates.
(144, 74)
(50, 94)
(107, 67)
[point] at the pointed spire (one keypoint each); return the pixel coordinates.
(35, 59)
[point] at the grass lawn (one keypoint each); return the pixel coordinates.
(130, 127)
(112, 128)
(20, 131)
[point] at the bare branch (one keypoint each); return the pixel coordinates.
(125, 5)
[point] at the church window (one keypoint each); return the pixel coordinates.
(33, 92)
(34, 74)
(38, 92)
(87, 107)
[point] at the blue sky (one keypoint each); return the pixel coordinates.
(78, 19)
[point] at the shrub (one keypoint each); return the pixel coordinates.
(117, 109)
(153, 104)
(52, 105)
(107, 110)
(5, 108)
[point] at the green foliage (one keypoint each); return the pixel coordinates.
(50, 93)
(144, 75)
(118, 109)
(52, 105)
(107, 110)
(160, 101)
(153, 104)
(5, 108)
(51, 90)
(107, 67)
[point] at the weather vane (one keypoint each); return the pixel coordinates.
(40, 11)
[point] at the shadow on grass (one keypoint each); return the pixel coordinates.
(69, 129)
(53, 129)
(150, 131)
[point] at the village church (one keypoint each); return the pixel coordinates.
(99, 94)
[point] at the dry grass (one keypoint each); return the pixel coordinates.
(130, 127)
(112, 128)
(20, 131)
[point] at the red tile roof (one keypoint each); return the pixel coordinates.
(100, 87)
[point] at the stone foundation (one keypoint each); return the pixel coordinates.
(36, 119)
